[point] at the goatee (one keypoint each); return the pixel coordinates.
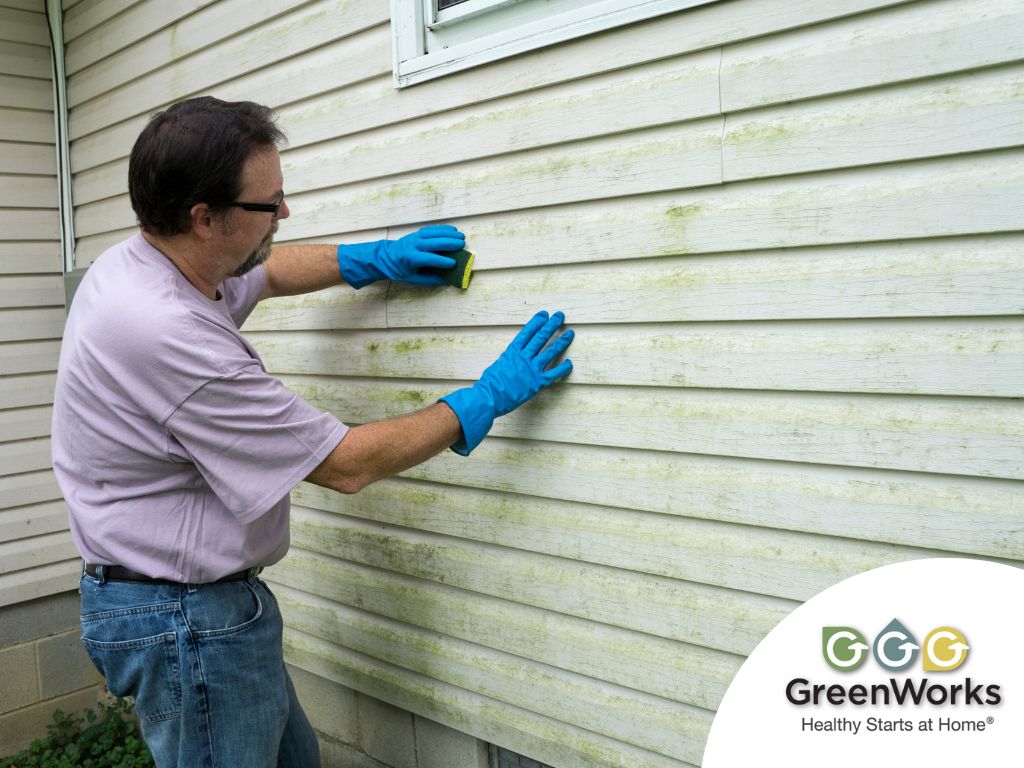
(260, 255)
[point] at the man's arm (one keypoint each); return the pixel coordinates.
(295, 269)
(380, 449)
(460, 420)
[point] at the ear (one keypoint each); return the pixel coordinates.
(202, 220)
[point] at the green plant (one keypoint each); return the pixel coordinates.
(104, 738)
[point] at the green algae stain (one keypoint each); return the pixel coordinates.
(407, 347)
(682, 213)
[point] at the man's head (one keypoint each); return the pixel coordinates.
(195, 152)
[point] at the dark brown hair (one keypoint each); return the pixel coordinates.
(194, 152)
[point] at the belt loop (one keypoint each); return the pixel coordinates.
(254, 573)
(101, 574)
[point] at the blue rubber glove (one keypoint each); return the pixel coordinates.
(402, 259)
(511, 380)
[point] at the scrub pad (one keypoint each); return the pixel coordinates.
(459, 274)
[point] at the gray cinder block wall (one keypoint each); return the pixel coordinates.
(357, 731)
(43, 667)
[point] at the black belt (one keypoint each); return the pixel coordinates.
(120, 573)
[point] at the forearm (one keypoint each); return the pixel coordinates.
(380, 449)
(295, 269)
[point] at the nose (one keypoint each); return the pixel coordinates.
(283, 212)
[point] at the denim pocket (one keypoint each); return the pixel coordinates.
(224, 609)
(146, 668)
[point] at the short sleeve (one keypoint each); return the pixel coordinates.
(242, 294)
(251, 438)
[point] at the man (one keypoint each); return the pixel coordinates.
(176, 451)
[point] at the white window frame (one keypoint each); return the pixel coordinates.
(429, 44)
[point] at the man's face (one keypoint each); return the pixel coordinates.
(253, 231)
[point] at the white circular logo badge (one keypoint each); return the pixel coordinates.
(917, 663)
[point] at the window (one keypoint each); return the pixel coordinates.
(437, 37)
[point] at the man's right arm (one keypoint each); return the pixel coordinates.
(460, 420)
(371, 452)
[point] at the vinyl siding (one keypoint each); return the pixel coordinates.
(789, 238)
(36, 554)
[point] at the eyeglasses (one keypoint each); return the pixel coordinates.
(261, 207)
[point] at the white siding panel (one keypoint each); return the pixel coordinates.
(24, 456)
(28, 224)
(661, 158)
(92, 33)
(31, 291)
(921, 278)
(24, 423)
(968, 113)
(249, 51)
(338, 307)
(923, 199)
(23, 125)
(783, 564)
(22, 391)
(91, 14)
(194, 25)
(23, 60)
(28, 488)
(88, 248)
(702, 614)
(976, 357)
(661, 726)
(22, 27)
(24, 5)
(940, 435)
(25, 92)
(29, 257)
(36, 323)
(45, 580)
(321, 69)
(633, 99)
(337, 64)
(319, 72)
(28, 357)
(954, 514)
(38, 159)
(916, 41)
(637, 98)
(687, 673)
(28, 191)
(375, 104)
(513, 727)
(32, 521)
(36, 551)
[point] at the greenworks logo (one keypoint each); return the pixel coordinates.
(895, 648)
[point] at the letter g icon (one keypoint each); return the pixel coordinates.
(843, 648)
(945, 649)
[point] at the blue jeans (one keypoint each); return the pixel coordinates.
(204, 663)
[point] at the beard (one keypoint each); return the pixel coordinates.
(260, 255)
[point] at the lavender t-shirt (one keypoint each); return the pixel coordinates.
(174, 448)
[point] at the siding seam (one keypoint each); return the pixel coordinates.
(721, 138)
(387, 294)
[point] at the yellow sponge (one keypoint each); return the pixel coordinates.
(459, 274)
